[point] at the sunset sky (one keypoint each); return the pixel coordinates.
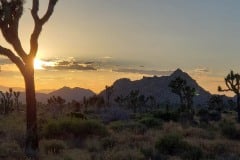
(91, 43)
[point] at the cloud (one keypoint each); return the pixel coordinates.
(201, 70)
(148, 72)
(69, 64)
(107, 57)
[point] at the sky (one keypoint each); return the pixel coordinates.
(112, 39)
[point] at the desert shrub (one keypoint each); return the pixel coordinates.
(76, 127)
(135, 127)
(229, 130)
(117, 126)
(167, 116)
(151, 122)
(147, 151)
(114, 114)
(127, 155)
(108, 142)
(215, 115)
(53, 146)
(11, 150)
(203, 115)
(192, 153)
(93, 145)
(171, 144)
(220, 148)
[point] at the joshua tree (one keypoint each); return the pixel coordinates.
(186, 93)
(215, 102)
(109, 92)
(16, 99)
(232, 82)
(6, 100)
(10, 14)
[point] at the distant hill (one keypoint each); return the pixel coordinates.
(158, 88)
(67, 93)
(72, 93)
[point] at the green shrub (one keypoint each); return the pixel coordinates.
(11, 151)
(108, 142)
(117, 126)
(167, 116)
(67, 127)
(229, 130)
(53, 146)
(151, 122)
(171, 144)
(192, 153)
(135, 127)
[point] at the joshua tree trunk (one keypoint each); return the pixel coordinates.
(31, 130)
(238, 107)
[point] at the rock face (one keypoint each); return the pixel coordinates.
(158, 88)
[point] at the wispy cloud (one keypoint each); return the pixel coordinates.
(201, 70)
(69, 64)
(140, 71)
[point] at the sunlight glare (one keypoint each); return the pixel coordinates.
(38, 64)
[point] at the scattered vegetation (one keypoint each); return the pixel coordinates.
(88, 129)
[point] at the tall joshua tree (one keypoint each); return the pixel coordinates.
(186, 93)
(232, 81)
(10, 14)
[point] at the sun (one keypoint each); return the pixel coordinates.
(38, 64)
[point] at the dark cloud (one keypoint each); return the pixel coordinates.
(69, 65)
(148, 72)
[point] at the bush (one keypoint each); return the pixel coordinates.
(215, 115)
(151, 122)
(117, 126)
(53, 146)
(192, 153)
(114, 114)
(67, 127)
(108, 142)
(229, 130)
(11, 151)
(171, 144)
(135, 127)
(167, 116)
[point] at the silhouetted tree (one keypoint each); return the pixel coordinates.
(56, 104)
(186, 93)
(232, 81)
(16, 100)
(215, 102)
(10, 14)
(7, 101)
(109, 92)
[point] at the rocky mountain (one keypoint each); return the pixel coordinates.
(158, 88)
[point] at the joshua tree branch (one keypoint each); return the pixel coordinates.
(39, 22)
(15, 59)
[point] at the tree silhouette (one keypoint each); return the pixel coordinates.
(186, 93)
(10, 14)
(232, 81)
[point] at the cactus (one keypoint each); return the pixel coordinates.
(232, 81)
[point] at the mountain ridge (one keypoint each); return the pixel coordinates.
(158, 88)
